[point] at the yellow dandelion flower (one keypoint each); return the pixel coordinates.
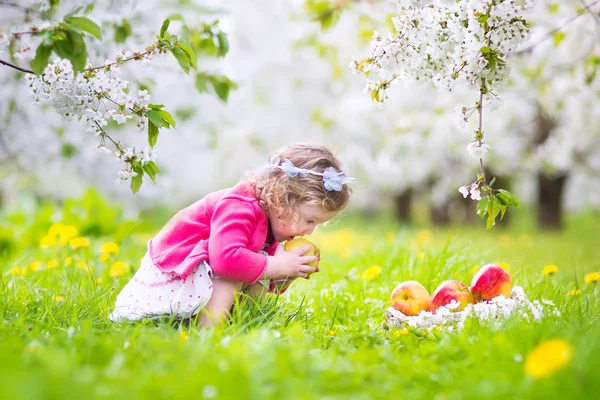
(56, 229)
(15, 271)
(48, 241)
(421, 255)
(104, 257)
(574, 292)
(58, 298)
(592, 278)
(400, 332)
(183, 336)
(549, 270)
(84, 266)
(99, 281)
(332, 332)
(371, 273)
(548, 358)
(67, 233)
(68, 261)
(474, 269)
(35, 266)
(504, 266)
(52, 264)
(110, 248)
(79, 242)
(119, 268)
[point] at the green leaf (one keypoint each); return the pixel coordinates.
(164, 27)
(152, 134)
(152, 164)
(150, 172)
(222, 86)
(182, 59)
(40, 61)
(136, 181)
(482, 207)
(123, 31)
(156, 118)
(155, 106)
(72, 13)
(492, 182)
(167, 117)
(190, 53)
(201, 82)
(87, 25)
(502, 211)
(485, 50)
(223, 43)
(493, 211)
(508, 199)
(73, 48)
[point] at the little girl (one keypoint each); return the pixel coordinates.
(229, 241)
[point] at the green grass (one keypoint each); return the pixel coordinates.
(325, 339)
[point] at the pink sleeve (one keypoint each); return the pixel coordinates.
(231, 227)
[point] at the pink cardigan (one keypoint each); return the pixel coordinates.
(226, 228)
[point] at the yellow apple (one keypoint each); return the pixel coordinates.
(410, 298)
(294, 244)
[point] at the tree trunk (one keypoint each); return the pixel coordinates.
(550, 193)
(403, 205)
(440, 214)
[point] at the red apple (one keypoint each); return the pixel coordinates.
(491, 281)
(451, 290)
(410, 298)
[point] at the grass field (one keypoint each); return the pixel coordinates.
(324, 339)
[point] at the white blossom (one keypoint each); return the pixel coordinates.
(477, 149)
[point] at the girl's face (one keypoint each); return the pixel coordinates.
(310, 216)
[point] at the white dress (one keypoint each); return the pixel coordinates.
(153, 293)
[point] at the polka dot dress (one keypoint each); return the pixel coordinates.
(152, 292)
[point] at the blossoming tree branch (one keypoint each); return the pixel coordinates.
(449, 44)
(96, 94)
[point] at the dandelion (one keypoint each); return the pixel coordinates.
(35, 266)
(504, 266)
(84, 266)
(548, 358)
(119, 268)
(400, 332)
(475, 269)
(68, 261)
(56, 229)
(574, 292)
(371, 273)
(592, 278)
(110, 248)
(58, 298)
(549, 270)
(16, 271)
(183, 336)
(52, 264)
(332, 332)
(99, 281)
(79, 242)
(48, 241)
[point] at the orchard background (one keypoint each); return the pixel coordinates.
(214, 88)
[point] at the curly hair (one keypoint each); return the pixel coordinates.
(279, 194)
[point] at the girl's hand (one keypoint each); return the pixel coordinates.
(290, 264)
